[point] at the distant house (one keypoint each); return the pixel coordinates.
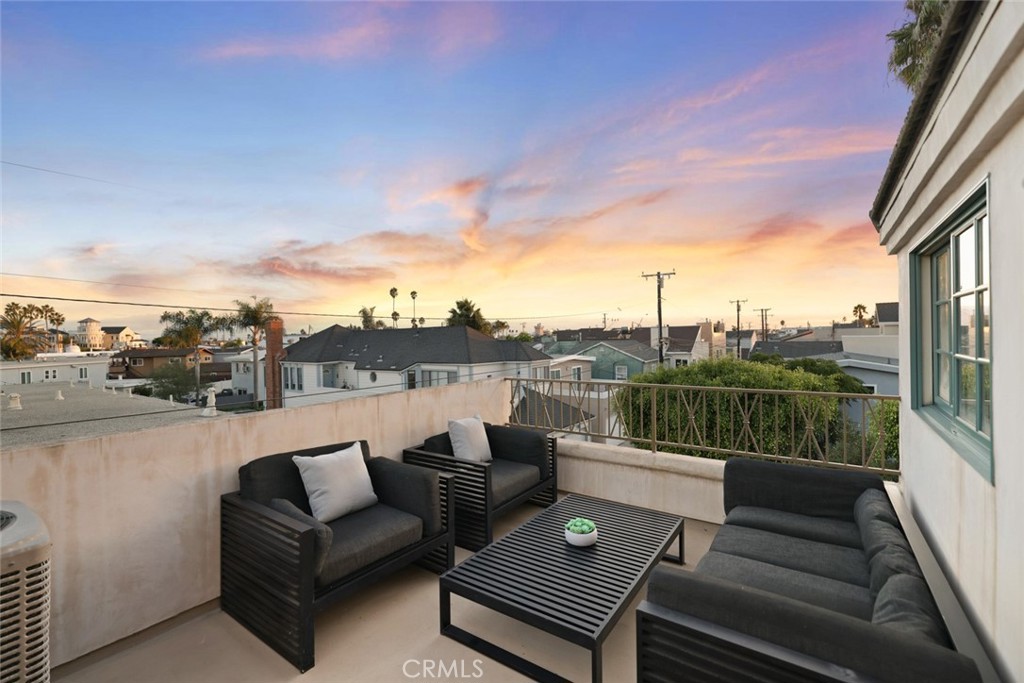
(142, 363)
(56, 368)
(89, 335)
(616, 359)
(575, 367)
(117, 338)
(684, 344)
(747, 339)
(887, 317)
(328, 364)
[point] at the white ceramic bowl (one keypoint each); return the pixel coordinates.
(581, 539)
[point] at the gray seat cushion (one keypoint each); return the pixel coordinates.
(823, 529)
(365, 536)
(822, 559)
(509, 479)
(837, 596)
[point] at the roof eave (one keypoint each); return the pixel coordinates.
(957, 26)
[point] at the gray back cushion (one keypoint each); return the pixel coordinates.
(439, 443)
(874, 504)
(906, 604)
(276, 476)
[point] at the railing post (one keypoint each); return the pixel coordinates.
(654, 419)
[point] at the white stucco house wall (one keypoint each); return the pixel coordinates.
(951, 210)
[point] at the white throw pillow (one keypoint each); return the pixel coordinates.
(469, 439)
(336, 483)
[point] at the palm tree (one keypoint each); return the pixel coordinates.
(466, 313)
(394, 295)
(914, 43)
(499, 328)
(187, 329)
(413, 294)
(254, 317)
(394, 318)
(859, 311)
(368, 321)
(57, 320)
(22, 338)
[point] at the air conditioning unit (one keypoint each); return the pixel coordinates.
(24, 595)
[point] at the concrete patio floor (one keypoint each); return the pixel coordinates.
(388, 633)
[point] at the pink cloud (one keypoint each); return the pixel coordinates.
(371, 31)
(788, 145)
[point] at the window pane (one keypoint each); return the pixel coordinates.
(968, 403)
(944, 330)
(943, 380)
(984, 247)
(968, 326)
(942, 275)
(986, 399)
(983, 308)
(966, 259)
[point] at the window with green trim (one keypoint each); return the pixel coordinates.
(952, 325)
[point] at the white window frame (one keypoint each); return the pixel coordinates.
(621, 372)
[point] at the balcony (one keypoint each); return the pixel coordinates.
(134, 520)
(133, 516)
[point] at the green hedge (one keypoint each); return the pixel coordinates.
(759, 423)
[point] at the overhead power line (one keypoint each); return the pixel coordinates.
(140, 304)
(75, 175)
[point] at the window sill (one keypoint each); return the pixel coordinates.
(977, 453)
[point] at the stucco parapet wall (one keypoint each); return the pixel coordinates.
(680, 484)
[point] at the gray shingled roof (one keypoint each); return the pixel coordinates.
(535, 408)
(155, 353)
(681, 338)
(630, 347)
(887, 312)
(808, 349)
(399, 349)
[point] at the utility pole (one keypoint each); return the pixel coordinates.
(764, 322)
(661, 283)
(737, 302)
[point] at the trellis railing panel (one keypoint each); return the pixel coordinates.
(834, 429)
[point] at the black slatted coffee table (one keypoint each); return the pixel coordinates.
(577, 594)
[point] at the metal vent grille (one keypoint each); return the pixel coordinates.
(25, 601)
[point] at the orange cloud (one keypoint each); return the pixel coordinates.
(276, 266)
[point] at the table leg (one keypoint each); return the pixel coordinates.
(596, 673)
(678, 559)
(445, 609)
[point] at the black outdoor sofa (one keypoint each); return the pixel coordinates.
(277, 571)
(810, 578)
(523, 469)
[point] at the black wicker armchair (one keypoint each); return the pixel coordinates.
(523, 469)
(280, 566)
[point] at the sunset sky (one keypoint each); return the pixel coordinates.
(536, 158)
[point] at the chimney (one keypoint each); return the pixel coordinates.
(275, 354)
